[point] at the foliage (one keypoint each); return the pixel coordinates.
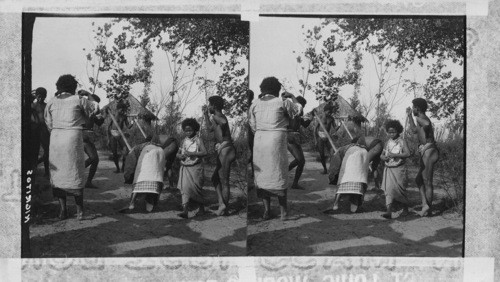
(445, 95)
(232, 84)
(412, 38)
(322, 62)
(172, 118)
(355, 59)
(450, 169)
(203, 39)
(143, 69)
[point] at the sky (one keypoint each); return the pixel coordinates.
(58, 48)
(275, 43)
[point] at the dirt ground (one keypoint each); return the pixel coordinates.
(113, 234)
(311, 232)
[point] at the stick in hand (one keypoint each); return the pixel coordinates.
(327, 133)
(120, 131)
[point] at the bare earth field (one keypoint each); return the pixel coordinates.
(113, 234)
(311, 232)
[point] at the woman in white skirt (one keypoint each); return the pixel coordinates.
(269, 116)
(65, 116)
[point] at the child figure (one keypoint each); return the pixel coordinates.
(394, 176)
(191, 172)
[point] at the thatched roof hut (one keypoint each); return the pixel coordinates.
(135, 108)
(344, 112)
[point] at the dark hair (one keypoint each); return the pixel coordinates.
(301, 100)
(82, 92)
(41, 91)
(250, 96)
(122, 105)
(66, 83)
(191, 122)
(96, 98)
(394, 123)
(328, 107)
(357, 119)
(217, 102)
(270, 85)
(420, 104)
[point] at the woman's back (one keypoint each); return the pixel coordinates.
(270, 114)
(66, 111)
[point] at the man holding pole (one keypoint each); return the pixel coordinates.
(322, 133)
(116, 136)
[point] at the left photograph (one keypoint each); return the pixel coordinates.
(134, 135)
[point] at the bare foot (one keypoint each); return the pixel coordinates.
(63, 215)
(149, 207)
(126, 210)
(426, 211)
(354, 207)
(405, 212)
(200, 212)
(284, 216)
(221, 210)
(298, 187)
(81, 217)
(266, 215)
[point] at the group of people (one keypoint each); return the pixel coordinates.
(274, 124)
(67, 121)
(65, 125)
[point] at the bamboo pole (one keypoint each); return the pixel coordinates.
(120, 131)
(347, 129)
(140, 127)
(327, 133)
(404, 130)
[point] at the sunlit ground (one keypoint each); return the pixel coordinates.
(311, 232)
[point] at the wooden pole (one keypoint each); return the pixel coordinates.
(140, 127)
(348, 132)
(404, 130)
(327, 133)
(120, 131)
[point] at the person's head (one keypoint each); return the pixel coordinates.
(270, 85)
(121, 107)
(40, 94)
(190, 127)
(393, 128)
(215, 103)
(419, 106)
(93, 97)
(328, 109)
(66, 83)
(302, 101)
(250, 96)
(358, 120)
(83, 93)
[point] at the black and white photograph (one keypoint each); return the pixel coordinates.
(250, 140)
(135, 136)
(363, 122)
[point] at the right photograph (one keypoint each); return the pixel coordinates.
(357, 132)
